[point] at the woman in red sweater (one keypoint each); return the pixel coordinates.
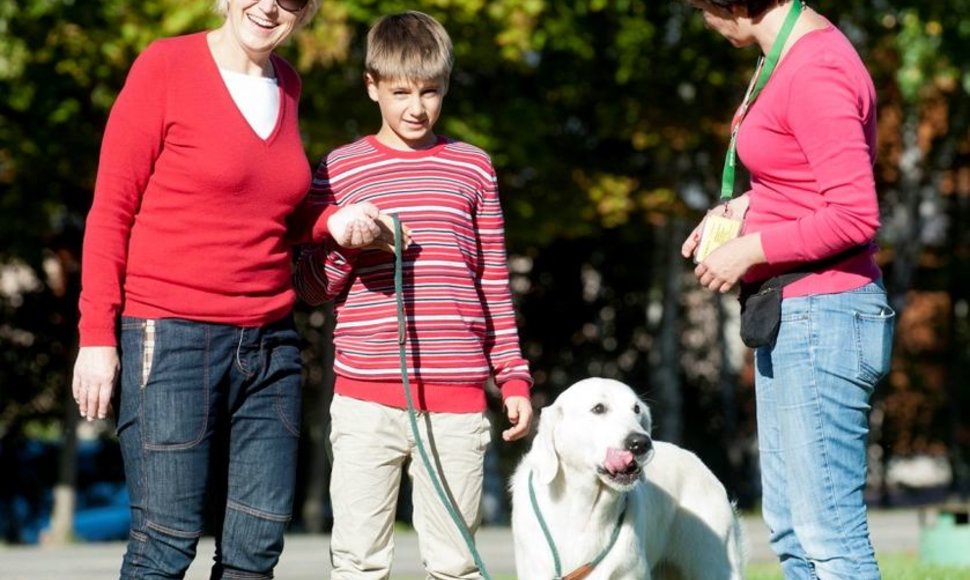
(806, 131)
(186, 289)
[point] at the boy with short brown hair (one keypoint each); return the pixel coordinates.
(461, 327)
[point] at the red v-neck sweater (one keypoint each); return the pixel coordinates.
(191, 207)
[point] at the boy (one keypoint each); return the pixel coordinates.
(460, 320)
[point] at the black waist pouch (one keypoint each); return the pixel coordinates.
(761, 302)
(761, 312)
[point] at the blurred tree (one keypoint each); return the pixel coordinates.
(924, 77)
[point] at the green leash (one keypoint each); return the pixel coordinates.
(412, 415)
(585, 569)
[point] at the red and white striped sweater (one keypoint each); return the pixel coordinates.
(461, 323)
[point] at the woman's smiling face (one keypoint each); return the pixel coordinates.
(260, 25)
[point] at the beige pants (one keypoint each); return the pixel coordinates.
(370, 445)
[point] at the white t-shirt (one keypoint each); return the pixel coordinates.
(258, 98)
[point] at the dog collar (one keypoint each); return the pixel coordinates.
(584, 570)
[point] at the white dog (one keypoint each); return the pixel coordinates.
(587, 479)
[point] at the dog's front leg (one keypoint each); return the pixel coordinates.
(626, 561)
(533, 564)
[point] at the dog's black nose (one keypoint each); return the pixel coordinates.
(637, 443)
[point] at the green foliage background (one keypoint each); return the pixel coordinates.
(607, 121)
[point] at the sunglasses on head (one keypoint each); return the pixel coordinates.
(293, 6)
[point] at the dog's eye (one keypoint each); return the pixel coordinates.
(636, 409)
(599, 409)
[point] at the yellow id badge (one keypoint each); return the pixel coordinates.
(717, 230)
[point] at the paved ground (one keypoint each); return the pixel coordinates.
(306, 556)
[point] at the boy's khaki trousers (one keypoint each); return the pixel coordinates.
(371, 443)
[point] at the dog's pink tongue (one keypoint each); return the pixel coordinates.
(617, 460)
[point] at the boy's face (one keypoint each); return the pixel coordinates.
(409, 110)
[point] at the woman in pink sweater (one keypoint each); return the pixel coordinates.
(807, 134)
(187, 292)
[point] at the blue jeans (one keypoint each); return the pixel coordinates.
(813, 389)
(208, 419)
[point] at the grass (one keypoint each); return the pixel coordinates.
(893, 567)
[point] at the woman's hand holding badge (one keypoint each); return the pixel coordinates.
(722, 262)
(737, 207)
(722, 269)
(733, 210)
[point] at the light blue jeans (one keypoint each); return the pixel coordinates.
(813, 389)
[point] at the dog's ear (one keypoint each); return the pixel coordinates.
(546, 460)
(646, 419)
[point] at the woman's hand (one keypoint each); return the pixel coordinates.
(95, 374)
(354, 225)
(735, 209)
(690, 245)
(363, 226)
(519, 412)
(722, 269)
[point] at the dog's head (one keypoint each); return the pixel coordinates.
(597, 426)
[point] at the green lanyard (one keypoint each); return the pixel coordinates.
(766, 65)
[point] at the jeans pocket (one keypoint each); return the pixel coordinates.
(138, 348)
(132, 352)
(175, 389)
(874, 338)
(286, 366)
(147, 352)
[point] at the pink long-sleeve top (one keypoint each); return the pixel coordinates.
(809, 142)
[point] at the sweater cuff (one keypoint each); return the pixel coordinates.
(98, 337)
(515, 388)
(776, 243)
(320, 229)
(347, 254)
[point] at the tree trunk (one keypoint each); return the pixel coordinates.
(727, 375)
(62, 516)
(316, 512)
(666, 373)
(65, 284)
(957, 237)
(908, 221)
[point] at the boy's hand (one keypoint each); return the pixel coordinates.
(519, 412)
(354, 225)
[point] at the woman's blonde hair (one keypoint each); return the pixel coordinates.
(409, 45)
(222, 7)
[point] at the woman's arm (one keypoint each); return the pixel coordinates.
(829, 113)
(132, 141)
